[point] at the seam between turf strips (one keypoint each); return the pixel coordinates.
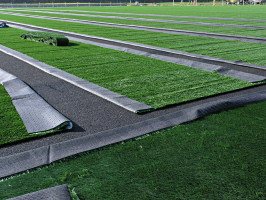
(149, 20)
(120, 100)
(155, 29)
(189, 17)
(48, 154)
(38, 116)
(239, 70)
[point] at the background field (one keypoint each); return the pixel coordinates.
(202, 28)
(245, 12)
(227, 49)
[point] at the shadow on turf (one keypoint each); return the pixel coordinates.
(73, 44)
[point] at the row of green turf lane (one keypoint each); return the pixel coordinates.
(245, 12)
(94, 17)
(202, 28)
(218, 157)
(231, 50)
(153, 82)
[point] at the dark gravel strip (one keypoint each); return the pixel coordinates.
(89, 113)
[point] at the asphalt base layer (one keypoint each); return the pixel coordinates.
(98, 122)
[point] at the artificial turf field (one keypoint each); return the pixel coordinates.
(203, 28)
(153, 82)
(218, 157)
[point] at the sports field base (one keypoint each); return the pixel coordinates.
(217, 157)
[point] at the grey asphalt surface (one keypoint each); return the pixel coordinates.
(90, 113)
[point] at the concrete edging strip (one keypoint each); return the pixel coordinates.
(207, 63)
(38, 116)
(48, 154)
(59, 192)
(104, 93)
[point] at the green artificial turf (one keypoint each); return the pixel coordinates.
(245, 12)
(11, 125)
(227, 49)
(153, 82)
(225, 30)
(33, 12)
(46, 37)
(218, 157)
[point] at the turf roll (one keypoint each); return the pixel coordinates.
(3, 25)
(46, 37)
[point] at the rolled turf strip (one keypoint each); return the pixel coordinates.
(46, 37)
(3, 25)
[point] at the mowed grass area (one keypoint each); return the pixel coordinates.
(218, 157)
(201, 28)
(123, 21)
(245, 12)
(153, 82)
(227, 49)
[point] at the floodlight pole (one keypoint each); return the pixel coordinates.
(173, 2)
(130, 2)
(222, 2)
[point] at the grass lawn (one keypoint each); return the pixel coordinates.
(230, 50)
(218, 157)
(225, 30)
(153, 82)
